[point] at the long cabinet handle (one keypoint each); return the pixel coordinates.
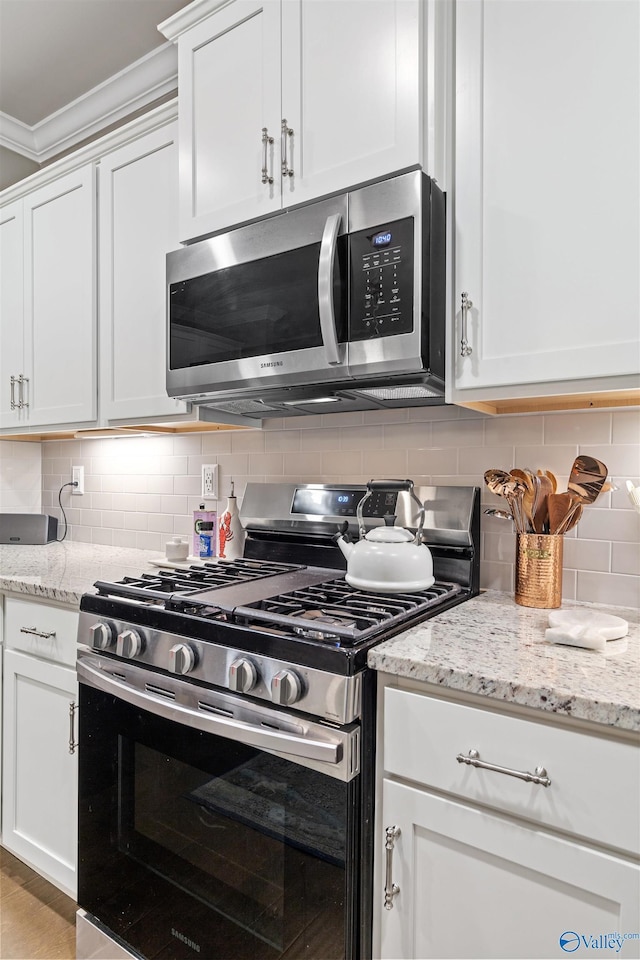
(391, 889)
(13, 404)
(22, 381)
(266, 143)
(465, 349)
(34, 632)
(73, 743)
(473, 760)
(285, 132)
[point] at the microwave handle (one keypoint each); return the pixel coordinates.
(325, 288)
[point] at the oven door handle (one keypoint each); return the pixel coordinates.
(326, 307)
(261, 737)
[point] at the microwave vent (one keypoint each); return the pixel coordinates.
(416, 391)
(245, 408)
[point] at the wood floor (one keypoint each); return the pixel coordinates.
(37, 921)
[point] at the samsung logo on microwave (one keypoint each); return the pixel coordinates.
(271, 363)
(180, 936)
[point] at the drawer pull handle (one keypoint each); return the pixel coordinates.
(473, 760)
(73, 743)
(34, 632)
(390, 888)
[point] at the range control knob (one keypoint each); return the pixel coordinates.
(101, 636)
(129, 644)
(286, 688)
(182, 658)
(243, 676)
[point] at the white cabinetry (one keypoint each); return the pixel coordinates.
(60, 300)
(547, 197)
(487, 864)
(39, 763)
(12, 364)
(282, 101)
(138, 227)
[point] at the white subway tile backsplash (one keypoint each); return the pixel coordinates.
(139, 491)
(566, 428)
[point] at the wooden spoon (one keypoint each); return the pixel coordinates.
(559, 506)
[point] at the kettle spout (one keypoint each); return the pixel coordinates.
(341, 538)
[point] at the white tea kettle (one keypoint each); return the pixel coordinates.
(388, 559)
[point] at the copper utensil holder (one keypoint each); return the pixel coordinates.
(538, 570)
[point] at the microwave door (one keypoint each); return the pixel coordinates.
(272, 314)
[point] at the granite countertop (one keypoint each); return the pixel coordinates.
(488, 646)
(492, 647)
(64, 571)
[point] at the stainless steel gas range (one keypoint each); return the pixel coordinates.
(226, 777)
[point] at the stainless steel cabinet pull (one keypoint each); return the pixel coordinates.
(473, 760)
(390, 888)
(266, 142)
(73, 743)
(465, 349)
(13, 404)
(285, 133)
(22, 381)
(34, 632)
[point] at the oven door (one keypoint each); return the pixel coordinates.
(263, 305)
(213, 828)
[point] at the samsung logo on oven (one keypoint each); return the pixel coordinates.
(272, 363)
(180, 936)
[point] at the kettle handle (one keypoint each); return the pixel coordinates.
(392, 485)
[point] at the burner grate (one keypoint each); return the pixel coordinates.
(336, 613)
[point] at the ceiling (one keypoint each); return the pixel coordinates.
(53, 53)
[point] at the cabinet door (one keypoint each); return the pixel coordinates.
(138, 226)
(547, 203)
(229, 90)
(60, 299)
(481, 886)
(39, 775)
(351, 92)
(11, 314)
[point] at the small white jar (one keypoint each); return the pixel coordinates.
(177, 549)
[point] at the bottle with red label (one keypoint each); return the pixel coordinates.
(230, 531)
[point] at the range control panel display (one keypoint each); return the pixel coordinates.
(382, 280)
(342, 503)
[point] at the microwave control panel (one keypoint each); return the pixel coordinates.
(381, 291)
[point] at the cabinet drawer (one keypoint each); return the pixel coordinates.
(42, 630)
(595, 782)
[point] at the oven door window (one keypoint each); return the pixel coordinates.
(260, 308)
(194, 845)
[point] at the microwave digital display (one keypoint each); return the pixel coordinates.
(382, 239)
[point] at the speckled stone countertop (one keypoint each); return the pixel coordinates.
(488, 646)
(492, 647)
(64, 571)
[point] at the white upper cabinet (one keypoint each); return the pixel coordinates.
(282, 101)
(547, 205)
(48, 305)
(11, 316)
(138, 226)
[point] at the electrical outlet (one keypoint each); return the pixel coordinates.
(210, 481)
(77, 476)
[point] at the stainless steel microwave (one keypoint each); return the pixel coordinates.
(336, 305)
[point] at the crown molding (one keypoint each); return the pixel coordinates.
(189, 16)
(153, 76)
(93, 151)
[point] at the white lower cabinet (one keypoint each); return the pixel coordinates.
(467, 875)
(40, 766)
